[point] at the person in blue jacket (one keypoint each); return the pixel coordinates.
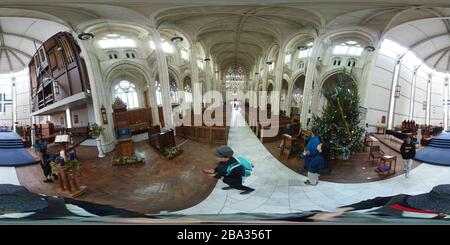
(317, 164)
(311, 151)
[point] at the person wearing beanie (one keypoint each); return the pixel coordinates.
(233, 177)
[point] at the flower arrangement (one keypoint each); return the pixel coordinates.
(172, 152)
(70, 162)
(96, 130)
(125, 160)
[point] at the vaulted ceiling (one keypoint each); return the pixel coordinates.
(235, 31)
(19, 39)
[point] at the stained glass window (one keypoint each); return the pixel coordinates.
(158, 92)
(173, 91)
(235, 78)
(126, 91)
(296, 96)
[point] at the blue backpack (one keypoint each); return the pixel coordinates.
(248, 167)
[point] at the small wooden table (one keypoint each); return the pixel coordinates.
(388, 160)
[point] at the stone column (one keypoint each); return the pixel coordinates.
(163, 73)
(393, 100)
(309, 79)
(278, 80)
(98, 93)
(196, 89)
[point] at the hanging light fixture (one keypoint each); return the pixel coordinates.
(176, 39)
(85, 36)
(302, 47)
(397, 91)
(369, 48)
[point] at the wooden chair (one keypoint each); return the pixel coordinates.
(375, 152)
(287, 145)
(367, 142)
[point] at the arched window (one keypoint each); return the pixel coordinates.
(296, 96)
(301, 65)
(287, 58)
(351, 62)
(116, 41)
(112, 55)
(158, 93)
(173, 90)
(126, 91)
(184, 54)
(235, 78)
(336, 62)
(188, 89)
(348, 48)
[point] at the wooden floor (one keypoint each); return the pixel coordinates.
(356, 170)
(157, 185)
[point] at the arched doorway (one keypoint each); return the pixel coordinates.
(283, 96)
(297, 96)
(269, 95)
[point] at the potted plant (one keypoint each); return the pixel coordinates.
(96, 132)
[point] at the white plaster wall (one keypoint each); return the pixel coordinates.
(83, 118)
(5, 116)
(420, 97)
(379, 89)
(56, 119)
(437, 108)
(23, 98)
(403, 103)
(90, 111)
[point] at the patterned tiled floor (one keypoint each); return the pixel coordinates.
(280, 190)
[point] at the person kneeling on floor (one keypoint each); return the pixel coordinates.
(230, 169)
(317, 164)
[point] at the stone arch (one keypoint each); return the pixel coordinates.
(130, 71)
(328, 82)
(297, 85)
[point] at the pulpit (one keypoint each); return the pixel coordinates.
(126, 147)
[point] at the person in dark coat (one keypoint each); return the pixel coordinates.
(408, 151)
(229, 169)
(432, 205)
(311, 151)
(45, 162)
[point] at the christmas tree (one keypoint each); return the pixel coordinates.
(339, 123)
